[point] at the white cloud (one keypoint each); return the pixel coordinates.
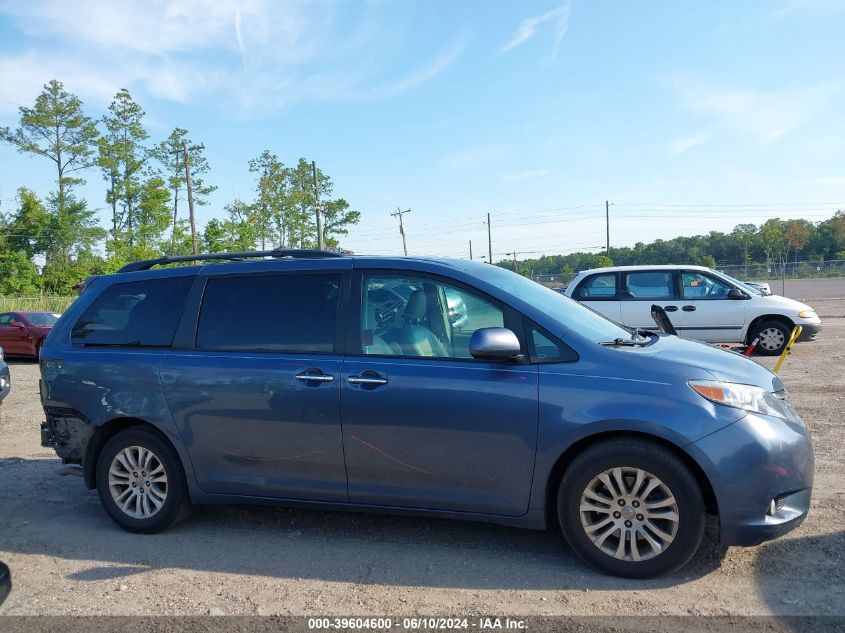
(525, 175)
(765, 115)
(528, 28)
(687, 143)
(254, 55)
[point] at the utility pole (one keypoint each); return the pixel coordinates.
(190, 187)
(489, 242)
(607, 224)
(470, 250)
(514, 261)
(400, 213)
(320, 240)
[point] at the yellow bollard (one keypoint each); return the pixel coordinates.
(796, 332)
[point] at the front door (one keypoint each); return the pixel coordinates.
(707, 313)
(257, 401)
(425, 425)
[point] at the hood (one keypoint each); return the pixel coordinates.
(690, 358)
(784, 304)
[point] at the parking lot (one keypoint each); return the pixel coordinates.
(67, 557)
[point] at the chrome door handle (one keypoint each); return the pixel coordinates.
(314, 377)
(366, 380)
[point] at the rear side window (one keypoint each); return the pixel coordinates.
(651, 285)
(134, 314)
(270, 313)
(598, 287)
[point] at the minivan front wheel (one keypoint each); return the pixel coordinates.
(773, 336)
(631, 508)
(140, 482)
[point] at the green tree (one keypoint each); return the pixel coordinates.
(29, 227)
(337, 218)
(270, 201)
(56, 128)
(602, 261)
(18, 275)
(170, 154)
(122, 157)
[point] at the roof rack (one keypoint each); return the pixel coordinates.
(293, 253)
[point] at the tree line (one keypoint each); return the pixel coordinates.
(775, 242)
(145, 187)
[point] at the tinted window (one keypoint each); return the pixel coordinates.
(651, 285)
(421, 317)
(134, 314)
(598, 286)
(270, 313)
(5, 319)
(697, 285)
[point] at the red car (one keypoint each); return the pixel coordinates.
(21, 333)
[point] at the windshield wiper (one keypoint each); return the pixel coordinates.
(625, 342)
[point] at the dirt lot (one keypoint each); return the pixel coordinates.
(67, 557)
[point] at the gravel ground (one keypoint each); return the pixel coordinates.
(67, 557)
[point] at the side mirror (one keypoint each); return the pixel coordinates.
(736, 293)
(16, 324)
(5, 582)
(495, 343)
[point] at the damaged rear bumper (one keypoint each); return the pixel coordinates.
(68, 432)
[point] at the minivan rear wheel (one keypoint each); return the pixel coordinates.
(140, 482)
(632, 508)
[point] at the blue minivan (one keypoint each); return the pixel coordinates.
(314, 379)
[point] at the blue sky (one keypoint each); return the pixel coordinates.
(687, 116)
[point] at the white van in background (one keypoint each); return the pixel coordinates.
(702, 304)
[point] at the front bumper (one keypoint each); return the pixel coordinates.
(809, 331)
(749, 464)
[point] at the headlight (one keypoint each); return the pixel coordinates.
(746, 397)
(807, 314)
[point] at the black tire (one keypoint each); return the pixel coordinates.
(655, 460)
(176, 503)
(769, 330)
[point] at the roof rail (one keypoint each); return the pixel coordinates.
(293, 253)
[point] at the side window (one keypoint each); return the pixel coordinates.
(598, 287)
(270, 313)
(421, 317)
(546, 349)
(5, 319)
(697, 285)
(651, 285)
(134, 314)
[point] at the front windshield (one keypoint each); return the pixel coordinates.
(571, 314)
(739, 283)
(42, 318)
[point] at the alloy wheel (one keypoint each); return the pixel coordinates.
(138, 482)
(629, 514)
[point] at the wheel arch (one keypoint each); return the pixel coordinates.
(766, 317)
(566, 458)
(104, 432)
